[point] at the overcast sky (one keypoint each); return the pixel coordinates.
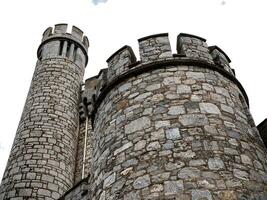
(236, 26)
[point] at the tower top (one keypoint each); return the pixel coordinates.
(60, 31)
(58, 34)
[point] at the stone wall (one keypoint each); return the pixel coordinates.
(175, 126)
(170, 126)
(77, 192)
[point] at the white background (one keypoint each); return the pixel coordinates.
(236, 26)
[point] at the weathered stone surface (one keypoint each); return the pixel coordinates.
(241, 174)
(173, 134)
(173, 187)
(227, 195)
(176, 110)
(143, 96)
(216, 164)
(157, 188)
(118, 185)
(194, 163)
(171, 81)
(141, 182)
(109, 180)
(172, 166)
(140, 145)
(209, 108)
(181, 89)
(162, 124)
(153, 87)
(124, 147)
(189, 173)
(192, 120)
(153, 146)
(245, 159)
(230, 151)
(227, 109)
(138, 124)
(233, 183)
(186, 154)
(124, 87)
(195, 75)
(158, 178)
(201, 194)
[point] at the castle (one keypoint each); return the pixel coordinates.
(170, 126)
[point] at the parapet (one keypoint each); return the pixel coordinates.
(221, 58)
(156, 48)
(120, 61)
(193, 46)
(56, 42)
(155, 52)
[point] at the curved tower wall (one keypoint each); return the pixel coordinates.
(173, 126)
(42, 160)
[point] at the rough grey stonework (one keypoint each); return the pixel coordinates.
(176, 131)
(197, 140)
(77, 192)
(42, 160)
(170, 126)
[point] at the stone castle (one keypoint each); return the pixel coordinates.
(170, 126)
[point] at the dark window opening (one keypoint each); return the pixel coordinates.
(68, 50)
(75, 53)
(61, 47)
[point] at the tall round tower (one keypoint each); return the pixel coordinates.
(174, 126)
(42, 160)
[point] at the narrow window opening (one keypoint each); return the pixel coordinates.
(93, 98)
(75, 53)
(85, 101)
(61, 47)
(68, 49)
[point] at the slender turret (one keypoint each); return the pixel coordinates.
(42, 160)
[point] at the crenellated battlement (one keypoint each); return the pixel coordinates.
(57, 42)
(60, 30)
(155, 51)
(120, 61)
(157, 48)
(193, 47)
(172, 119)
(221, 58)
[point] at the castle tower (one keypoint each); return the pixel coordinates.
(42, 160)
(173, 126)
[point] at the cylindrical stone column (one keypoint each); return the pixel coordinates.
(175, 127)
(42, 160)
